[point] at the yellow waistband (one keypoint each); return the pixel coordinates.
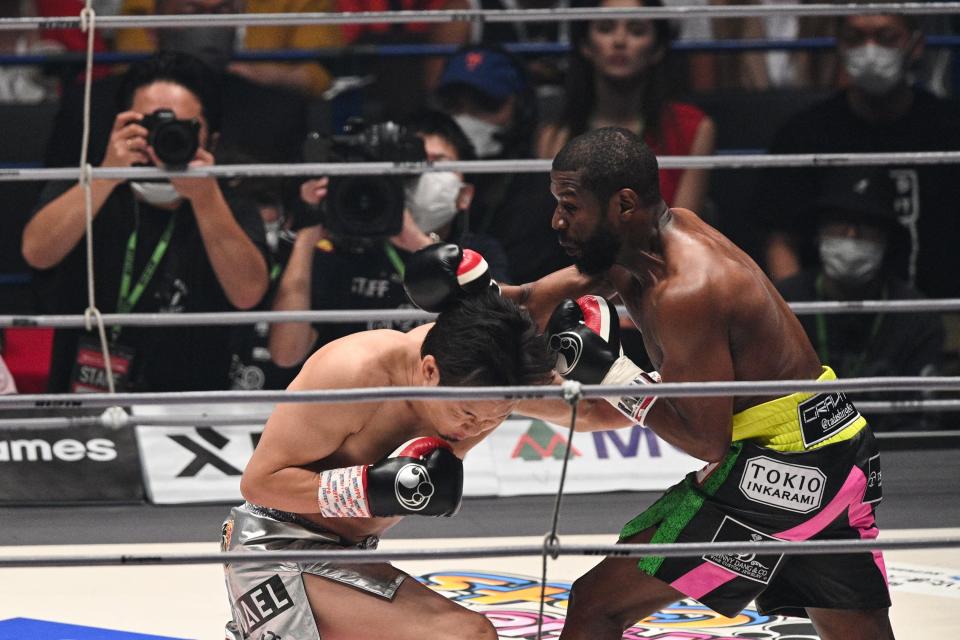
(776, 424)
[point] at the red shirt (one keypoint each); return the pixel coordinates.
(351, 32)
(678, 127)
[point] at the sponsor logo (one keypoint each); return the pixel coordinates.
(413, 487)
(66, 450)
(540, 441)
(785, 486)
(752, 566)
(568, 346)
(202, 447)
(824, 415)
(261, 604)
(874, 491)
(630, 448)
(511, 603)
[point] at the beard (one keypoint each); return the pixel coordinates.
(598, 252)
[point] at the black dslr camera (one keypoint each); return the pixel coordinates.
(174, 141)
(363, 207)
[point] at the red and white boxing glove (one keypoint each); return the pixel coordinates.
(585, 334)
(422, 477)
(440, 274)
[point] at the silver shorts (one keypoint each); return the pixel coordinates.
(269, 600)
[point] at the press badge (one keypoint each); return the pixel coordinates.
(89, 373)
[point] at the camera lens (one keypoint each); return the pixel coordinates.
(175, 143)
(365, 206)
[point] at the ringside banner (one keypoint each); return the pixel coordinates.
(521, 457)
(89, 463)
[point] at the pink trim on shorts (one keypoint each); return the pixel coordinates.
(852, 491)
(702, 579)
(860, 517)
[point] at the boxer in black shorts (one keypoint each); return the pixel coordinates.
(799, 467)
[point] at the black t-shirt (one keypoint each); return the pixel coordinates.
(167, 358)
(861, 345)
(516, 210)
(357, 280)
(927, 195)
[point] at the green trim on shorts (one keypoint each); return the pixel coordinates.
(676, 508)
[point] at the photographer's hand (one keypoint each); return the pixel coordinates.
(411, 237)
(193, 189)
(57, 227)
(127, 145)
(314, 191)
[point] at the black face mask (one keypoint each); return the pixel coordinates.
(213, 45)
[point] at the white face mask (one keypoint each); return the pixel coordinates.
(851, 261)
(432, 199)
(482, 135)
(272, 233)
(158, 194)
(875, 69)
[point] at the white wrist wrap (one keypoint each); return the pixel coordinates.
(624, 372)
(341, 493)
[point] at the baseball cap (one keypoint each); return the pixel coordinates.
(492, 73)
(862, 193)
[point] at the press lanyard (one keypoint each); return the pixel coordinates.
(127, 299)
(823, 342)
(394, 259)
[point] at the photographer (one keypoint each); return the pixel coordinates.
(335, 266)
(158, 246)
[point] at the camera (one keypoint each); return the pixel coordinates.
(364, 207)
(174, 141)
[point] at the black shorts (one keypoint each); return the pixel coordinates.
(756, 494)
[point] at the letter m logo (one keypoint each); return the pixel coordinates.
(539, 442)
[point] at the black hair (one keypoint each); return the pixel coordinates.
(579, 91)
(436, 123)
(487, 340)
(179, 68)
(610, 159)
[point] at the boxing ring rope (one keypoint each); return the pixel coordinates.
(481, 15)
(227, 318)
(672, 550)
(536, 392)
(732, 161)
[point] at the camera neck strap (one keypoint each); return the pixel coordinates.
(127, 298)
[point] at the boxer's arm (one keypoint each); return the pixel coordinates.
(693, 336)
(542, 296)
(298, 435)
(593, 414)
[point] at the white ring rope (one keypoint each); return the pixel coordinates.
(332, 316)
(733, 161)
(483, 15)
(380, 394)
(672, 550)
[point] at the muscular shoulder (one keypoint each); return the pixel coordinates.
(364, 359)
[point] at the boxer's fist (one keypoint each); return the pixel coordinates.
(422, 477)
(585, 335)
(438, 275)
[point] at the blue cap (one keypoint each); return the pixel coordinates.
(490, 72)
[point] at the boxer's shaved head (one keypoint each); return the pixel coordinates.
(611, 159)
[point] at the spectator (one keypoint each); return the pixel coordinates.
(329, 272)
(167, 247)
(486, 91)
(24, 84)
(7, 384)
(619, 76)
(855, 217)
(545, 72)
(877, 111)
(307, 77)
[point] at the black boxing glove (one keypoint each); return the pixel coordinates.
(438, 275)
(422, 477)
(585, 335)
